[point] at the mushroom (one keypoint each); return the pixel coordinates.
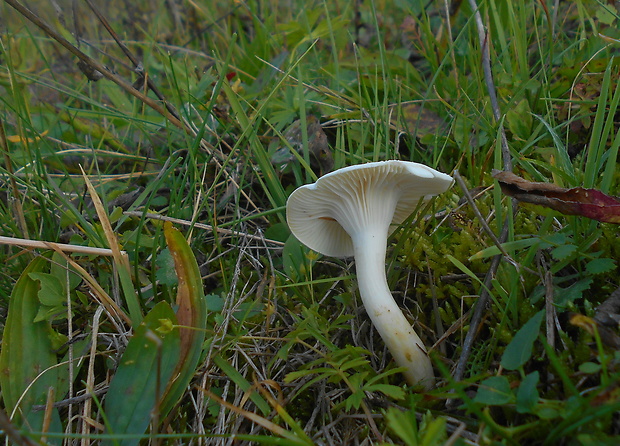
(351, 212)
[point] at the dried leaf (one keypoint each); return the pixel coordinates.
(607, 335)
(120, 257)
(590, 203)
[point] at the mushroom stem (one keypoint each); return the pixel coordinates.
(403, 342)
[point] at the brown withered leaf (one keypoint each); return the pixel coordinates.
(607, 335)
(590, 203)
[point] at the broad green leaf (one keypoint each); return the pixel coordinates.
(519, 351)
(527, 395)
(51, 292)
(142, 375)
(27, 350)
(191, 315)
(494, 391)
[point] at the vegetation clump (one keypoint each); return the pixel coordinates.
(147, 158)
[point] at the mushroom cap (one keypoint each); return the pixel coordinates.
(326, 214)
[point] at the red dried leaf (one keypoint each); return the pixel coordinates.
(589, 203)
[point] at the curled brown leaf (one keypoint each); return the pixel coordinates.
(590, 203)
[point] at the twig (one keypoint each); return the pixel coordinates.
(481, 219)
(55, 246)
(134, 60)
(12, 432)
(74, 400)
(483, 36)
(478, 311)
(482, 301)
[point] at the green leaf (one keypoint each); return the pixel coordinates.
(389, 390)
(51, 292)
(519, 351)
(494, 391)
(61, 269)
(404, 425)
(527, 395)
(492, 251)
(27, 355)
(564, 296)
(590, 368)
(600, 266)
(215, 303)
(142, 375)
(563, 251)
(165, 268)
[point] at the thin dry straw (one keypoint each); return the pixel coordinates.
(55, 246)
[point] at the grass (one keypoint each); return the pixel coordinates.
(209, 115)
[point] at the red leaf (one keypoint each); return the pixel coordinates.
(589, 203)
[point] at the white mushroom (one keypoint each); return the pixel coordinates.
(351, 212)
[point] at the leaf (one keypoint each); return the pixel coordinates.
(121, 259)
(51, 292)
(494, 391)
(590, 203)
(492, 251)
(165, 268)
(564, 296)
(27, 350)
(404, 424)
(142, 375)
(563, 251)
(519, 351)
(527, 395)
(600, 266)
(191, 315)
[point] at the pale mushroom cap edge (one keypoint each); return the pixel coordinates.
(314, 211)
